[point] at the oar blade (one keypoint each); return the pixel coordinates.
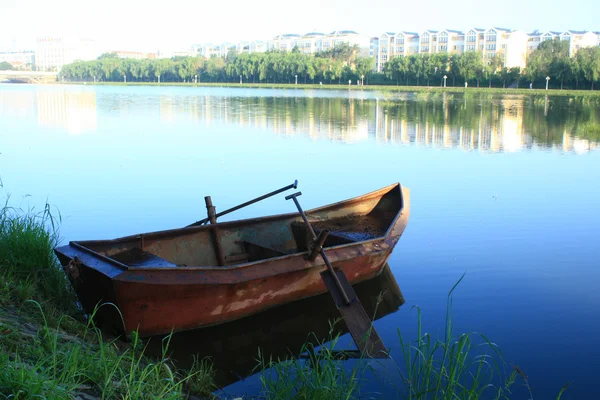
(358, 322)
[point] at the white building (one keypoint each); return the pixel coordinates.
(474, 39)
(428, 40)
(382, 49)
(407, 43)
(495, 41)
(516, 50)
(284, 42)
(18, 59)
(352, 38)
(311, 42)
(52, 53)
(450, 41)
(579, 39)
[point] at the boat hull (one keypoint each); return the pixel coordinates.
(167, 298)
(159, 302)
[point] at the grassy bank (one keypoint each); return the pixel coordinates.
(383, 88)
(49, 350)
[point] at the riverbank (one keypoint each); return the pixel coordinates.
(382, 88)
(48, 349)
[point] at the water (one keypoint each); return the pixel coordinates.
(503, 188)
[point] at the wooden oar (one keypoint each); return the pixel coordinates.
(283, 189)
(358, 322)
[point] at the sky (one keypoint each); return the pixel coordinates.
(176, 24)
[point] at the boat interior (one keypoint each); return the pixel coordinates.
(244, 241)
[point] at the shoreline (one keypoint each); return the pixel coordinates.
(382, 88)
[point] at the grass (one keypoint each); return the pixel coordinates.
(467, 366)
(382, 88)
(49, 350)
(318, 376)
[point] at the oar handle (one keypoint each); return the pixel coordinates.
(273, 193)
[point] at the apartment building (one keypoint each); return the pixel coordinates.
(284, 42)
(311, 42)
(579, 39)
(428, 42)
(450, 41)
(495, 40)
(407, 43)
(515, 50)
(52, 53)
(474, 39)
(382, 49)
(511, 45)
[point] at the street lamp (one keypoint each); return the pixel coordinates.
(362, 80)
(445, 77)
(296, 79)
(547, 80)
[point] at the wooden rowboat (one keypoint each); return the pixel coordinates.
(171, 280)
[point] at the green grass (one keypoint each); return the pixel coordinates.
(467, 366)
(383, 88)
(49, 350)
(319, 376)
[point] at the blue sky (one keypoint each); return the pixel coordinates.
(144, 25)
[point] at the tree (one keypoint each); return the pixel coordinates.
(107, 55)
(5, 66)
(469, 64)
(589, 62)
(364, 65)
(509, 74)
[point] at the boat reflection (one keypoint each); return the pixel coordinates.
(278, 333)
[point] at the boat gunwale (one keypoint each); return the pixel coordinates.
(159, 234)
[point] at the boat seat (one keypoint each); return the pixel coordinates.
(137, 257)
(260, 252)
(303, 239)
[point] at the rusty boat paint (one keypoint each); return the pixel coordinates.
(166, 281)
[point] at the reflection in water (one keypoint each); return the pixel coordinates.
(469, 122)
(279, 332)
(73, 111)
(501, 124)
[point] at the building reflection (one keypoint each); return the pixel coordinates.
(500, 125)
(18, 104)
(73, 111)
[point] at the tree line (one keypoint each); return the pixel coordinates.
(343, 63)
(337, 65)
(551, 59)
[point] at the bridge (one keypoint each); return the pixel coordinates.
(28, 76)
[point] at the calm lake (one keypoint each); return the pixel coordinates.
(503, 188)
